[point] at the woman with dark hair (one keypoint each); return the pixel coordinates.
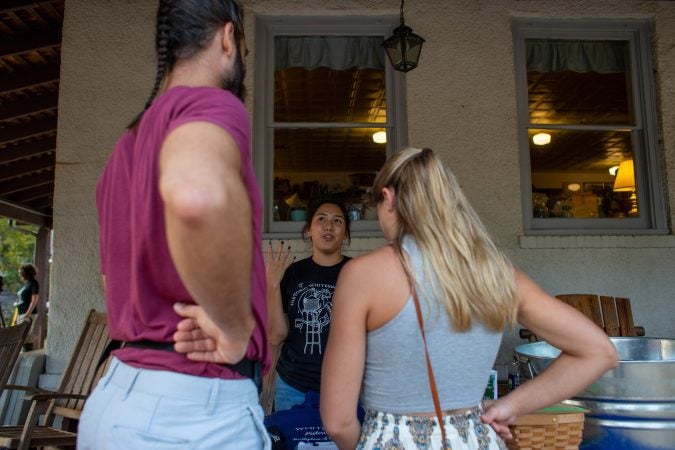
(300, 302)
(28, 294)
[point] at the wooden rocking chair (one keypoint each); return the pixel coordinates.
(11, 340)
(80, 376)
(613, 314)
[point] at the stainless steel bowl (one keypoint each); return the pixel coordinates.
(646, 369)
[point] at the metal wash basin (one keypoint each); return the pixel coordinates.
(631, 406)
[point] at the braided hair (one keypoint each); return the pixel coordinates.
(184, 27)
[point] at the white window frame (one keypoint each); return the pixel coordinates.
(267, 27)
(648, 168)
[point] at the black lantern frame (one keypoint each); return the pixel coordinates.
(404, 47)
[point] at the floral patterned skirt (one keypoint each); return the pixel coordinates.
(464, 431)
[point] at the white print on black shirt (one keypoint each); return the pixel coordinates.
(313, 304)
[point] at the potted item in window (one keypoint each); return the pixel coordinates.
(539, 207)
(297, 208)
(298, 214)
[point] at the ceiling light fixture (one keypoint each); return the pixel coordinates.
(404, 47)
(541, 139)
(380, 137)
(574, 187)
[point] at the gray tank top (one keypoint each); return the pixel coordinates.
(395, 378)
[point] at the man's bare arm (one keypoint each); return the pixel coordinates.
(208, 224)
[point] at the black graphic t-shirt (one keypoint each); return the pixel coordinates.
(307, 296)
(26, 292)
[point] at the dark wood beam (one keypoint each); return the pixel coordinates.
(32, 194)
(26, 130)
(26, 166)
(29, 106)
(11, 5)
(43, 205)
(27, 149)
(23, 214)
(26, 182)
(29, 78)
(52, 9)
(27, 42)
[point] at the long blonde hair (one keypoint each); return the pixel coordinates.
(475, 279)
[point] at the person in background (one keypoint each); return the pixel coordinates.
(3, 301)
(299, 301)
(28, 294)
(468, 293)
(178, 195)
(7, 301)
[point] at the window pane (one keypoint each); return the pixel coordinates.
(571, 174)
(329, 87)
(578, 82)
(327, 95)
(310, 164)
(589, 85)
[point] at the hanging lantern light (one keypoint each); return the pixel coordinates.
(404, 47)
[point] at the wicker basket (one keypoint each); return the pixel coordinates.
(548, 429)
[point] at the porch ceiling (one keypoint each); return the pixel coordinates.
(30, 56)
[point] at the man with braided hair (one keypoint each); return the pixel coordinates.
(180, 220)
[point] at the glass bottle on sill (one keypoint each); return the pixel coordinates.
(514, 376)
(276, 216)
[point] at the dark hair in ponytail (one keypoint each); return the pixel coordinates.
(184, 27)
(28, 272)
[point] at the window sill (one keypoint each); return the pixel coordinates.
(298, 235)
(618, 241)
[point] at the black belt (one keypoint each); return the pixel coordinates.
(246, 367)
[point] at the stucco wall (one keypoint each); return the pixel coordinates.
(461, 102)
(106, 74)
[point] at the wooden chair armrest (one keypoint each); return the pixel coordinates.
(46, 396)
(37, 408)
(269, 383)
(17, 387)
(40, 404)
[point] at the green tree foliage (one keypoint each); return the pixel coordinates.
(17, 247)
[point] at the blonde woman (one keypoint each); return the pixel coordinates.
(469, 293)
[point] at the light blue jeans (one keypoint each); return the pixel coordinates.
(153, 409)
(286, 396)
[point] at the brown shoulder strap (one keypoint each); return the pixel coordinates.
(430, 371)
